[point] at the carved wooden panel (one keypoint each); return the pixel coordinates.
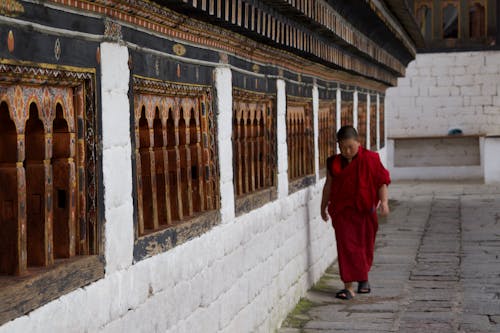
(477, 19)
(362, 113)
(327, 126)
(424, 14)
(254, 142)
(175, 153)
(373, 123)
(44, 204)
(299, 138)
(346, 113)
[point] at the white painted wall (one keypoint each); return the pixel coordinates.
(444, 91)
(244, 275)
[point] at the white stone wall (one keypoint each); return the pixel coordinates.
(244, 275)
(446, 90)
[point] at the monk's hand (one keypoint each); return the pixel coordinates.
(384, 208)
(324, 214)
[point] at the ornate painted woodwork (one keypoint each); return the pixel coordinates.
(477, 19)
(424, 16)
(373, 122)
(254, 142)
(274, 27)
(347, 108)
(176, 175)
(382, 122)
(47, 168)
(299, 137)
(362, 114)
(457, 25)
(327, 126)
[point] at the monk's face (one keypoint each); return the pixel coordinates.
(349, 148)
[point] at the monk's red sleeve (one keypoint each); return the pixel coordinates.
(382, 174)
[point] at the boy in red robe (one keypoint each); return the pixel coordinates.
(356, 185)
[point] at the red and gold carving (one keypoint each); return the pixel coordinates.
(299, 137)
(327, 126)
(38, 176)
(175, 164)
(253, 141)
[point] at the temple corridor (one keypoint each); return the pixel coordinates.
(435, 270)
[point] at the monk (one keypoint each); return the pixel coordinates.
(356, 185)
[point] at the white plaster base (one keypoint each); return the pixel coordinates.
(242, 276)
(437, 173)
(471, 172)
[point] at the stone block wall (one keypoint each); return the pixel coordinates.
(442, 91)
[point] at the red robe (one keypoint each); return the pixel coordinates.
(352, 207)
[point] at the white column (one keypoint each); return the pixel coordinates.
(315, 95)
(281, 136)
(378, 122)
(338, 114)
(116, 157)
(355, 109)
(491, 160)
(368, 115)
(224, 112)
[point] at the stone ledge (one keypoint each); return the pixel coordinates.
(171, 236)
(23, 294)
(251, 201)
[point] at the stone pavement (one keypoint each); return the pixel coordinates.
(436, 268)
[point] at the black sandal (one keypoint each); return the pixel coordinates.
(364, 287)
(344, 294)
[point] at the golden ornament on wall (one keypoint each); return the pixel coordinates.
(179, 49)
(11, 8)
(255, 68)
(10, 41)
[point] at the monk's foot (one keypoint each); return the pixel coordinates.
(345, 294)
(364, 287)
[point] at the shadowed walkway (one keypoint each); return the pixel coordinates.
(436, 269)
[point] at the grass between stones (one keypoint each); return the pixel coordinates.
(299, 317)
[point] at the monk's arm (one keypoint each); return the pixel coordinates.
(383, 194)
(326, 197)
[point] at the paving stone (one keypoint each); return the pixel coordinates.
(435, 267)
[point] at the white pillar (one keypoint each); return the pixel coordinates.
(378, 122)
(491, 160)
(338, 108)
(224, 112)
(355, 109)
(315, 96)
(368, 115)
(116, 157)
(338, 115)
(281, 136)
